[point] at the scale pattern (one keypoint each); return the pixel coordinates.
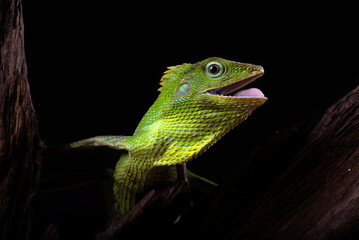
(183, 122)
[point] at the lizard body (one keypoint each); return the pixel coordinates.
(195, 108)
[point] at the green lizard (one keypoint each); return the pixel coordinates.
(197, 105)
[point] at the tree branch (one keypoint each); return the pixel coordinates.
(19, 166)
(151, 216)
(316, 195)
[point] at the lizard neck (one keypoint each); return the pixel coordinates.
(182, 133)
(153, 115)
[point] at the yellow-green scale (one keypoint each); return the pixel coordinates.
(184, 121)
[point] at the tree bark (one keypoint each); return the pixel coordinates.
(312, 193)
(316, 195)
(19, 139)
(154, 215)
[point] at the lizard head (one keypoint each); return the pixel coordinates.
(215, 82)
(198, 104)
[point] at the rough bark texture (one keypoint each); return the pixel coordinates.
(310, 192)
(19, 169)
(152, 216)
(316, 195)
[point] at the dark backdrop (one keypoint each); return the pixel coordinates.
(94, 69)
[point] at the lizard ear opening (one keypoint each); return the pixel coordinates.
(184, 89)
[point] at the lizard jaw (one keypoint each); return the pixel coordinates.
(231, 89)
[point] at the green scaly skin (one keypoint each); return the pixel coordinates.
(188, 117)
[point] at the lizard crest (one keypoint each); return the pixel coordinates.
(197, 105)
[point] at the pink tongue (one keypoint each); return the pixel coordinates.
(252, 92)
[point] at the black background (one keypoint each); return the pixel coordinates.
(94, 69)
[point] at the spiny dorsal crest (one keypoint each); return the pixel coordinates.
(171, 72)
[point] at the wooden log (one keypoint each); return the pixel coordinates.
(152, 217)
(19, 139)
(316, 195)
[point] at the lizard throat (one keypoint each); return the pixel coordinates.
(234, 89)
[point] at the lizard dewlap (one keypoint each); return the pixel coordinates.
(197, 105)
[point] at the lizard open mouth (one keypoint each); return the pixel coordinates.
(231, 90)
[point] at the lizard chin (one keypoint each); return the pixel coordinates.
(232, 90)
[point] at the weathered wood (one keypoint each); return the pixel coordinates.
(152, 216)
(312, 195)
(315, 197)
(19, 166)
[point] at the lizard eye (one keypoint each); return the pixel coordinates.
(214, 69)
